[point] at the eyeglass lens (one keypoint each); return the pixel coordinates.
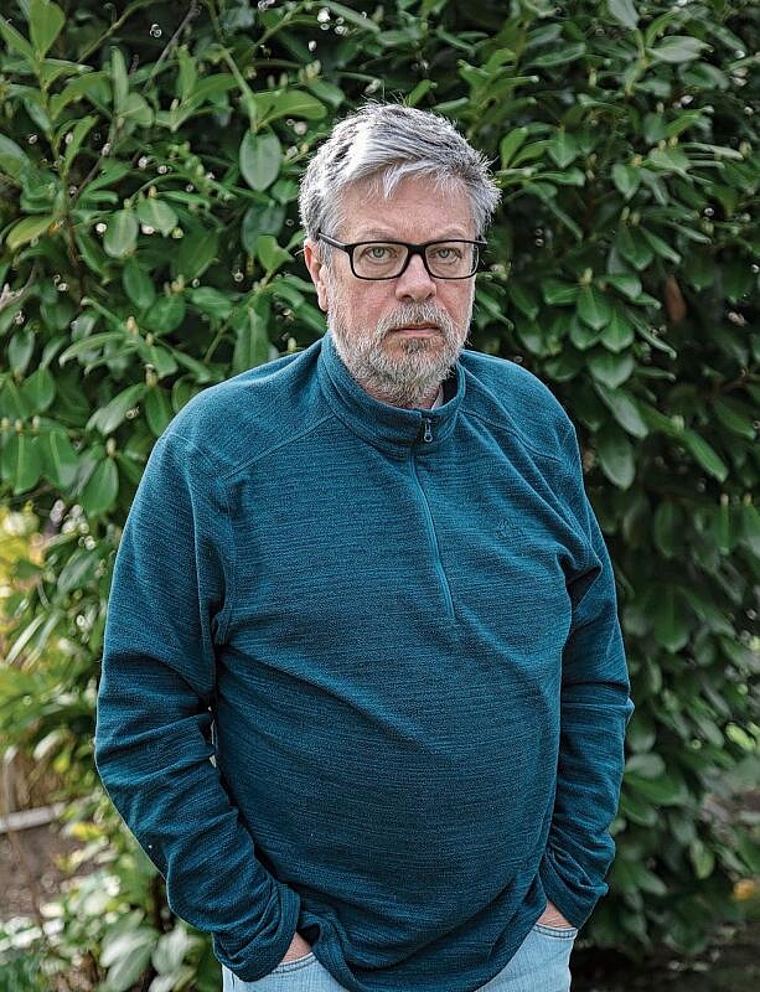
(445, 259)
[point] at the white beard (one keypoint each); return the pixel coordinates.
(407, 379)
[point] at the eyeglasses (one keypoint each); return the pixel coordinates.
(451, 259)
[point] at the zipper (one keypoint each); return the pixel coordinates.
(427, 437)
(433, 537)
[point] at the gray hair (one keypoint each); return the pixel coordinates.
(386, 143)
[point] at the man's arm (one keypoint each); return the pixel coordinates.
(168, 609)
(595, 708)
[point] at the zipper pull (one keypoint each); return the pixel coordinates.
(427, 437)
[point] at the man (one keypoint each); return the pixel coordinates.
(373, 566)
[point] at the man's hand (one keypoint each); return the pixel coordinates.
(299, 948)
(551, 917)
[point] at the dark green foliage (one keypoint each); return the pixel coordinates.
(149, 166)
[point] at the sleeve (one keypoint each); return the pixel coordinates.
(169, 605)
(595, 707)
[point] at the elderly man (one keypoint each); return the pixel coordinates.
(372, 568)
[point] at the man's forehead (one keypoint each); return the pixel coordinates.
(368, 209)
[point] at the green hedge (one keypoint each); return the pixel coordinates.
(149, 162)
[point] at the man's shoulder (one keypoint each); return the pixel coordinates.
(233, 420)
(506, 394)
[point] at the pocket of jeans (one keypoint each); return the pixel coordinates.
(558, 933)
(286, 967)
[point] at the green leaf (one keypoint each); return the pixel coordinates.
(666, 790)
(635, 809)
(511, 143)
(618, 334)
(260, 159)
(291, 103)
(85, 86)
(137, 111)
(212, 301)
(671, 626)
(611, 370)
(632, 246)
(556, 293)
(261, 218)
(59, 459)
(735, 417)
(625, 410)
(39, 390)
(252, 345)
(197, 251)
(641, 734)
(157, 214)
(120, 80)
(270, 254)
(27, 230)
(78, 571)
(670, 160)
(109, 417)
(13, 159)
(160, 358)
(561, 55)
(20, 350)
(624, 12)
(593, 308)
(702, 858)
(120, 238)
(616, 458)
(22, 465)
(166, 314)
(627, 179)
(666, 529)
(171, 950)
(137, 284)
(678, 48)
(660, 247)
(523, 299)
(628, 285)
(582, 336)
(90, 343)
(563, 149)
(158, 410)
(16, 41)
(74, 139)
(46, 21)
(128, 956)
(101, 489)
(705, 454)
(646, 765)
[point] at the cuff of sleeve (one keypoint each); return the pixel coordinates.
(568, 886)
(257, 957)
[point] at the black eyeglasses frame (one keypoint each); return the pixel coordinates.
(412, 249)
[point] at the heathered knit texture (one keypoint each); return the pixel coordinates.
(411, 653)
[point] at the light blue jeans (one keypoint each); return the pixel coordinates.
(541, 964)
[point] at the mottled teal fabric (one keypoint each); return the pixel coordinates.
(402, 626)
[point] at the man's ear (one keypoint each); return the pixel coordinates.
(316, 271)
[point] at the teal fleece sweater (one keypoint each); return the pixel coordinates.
(363, 673)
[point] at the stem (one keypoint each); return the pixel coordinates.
(174, 40)
(95, 45)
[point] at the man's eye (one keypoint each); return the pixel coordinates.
(378, 253)
(446, 253)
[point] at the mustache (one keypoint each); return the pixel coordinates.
(409, 314)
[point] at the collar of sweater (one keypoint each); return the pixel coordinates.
(398, 431)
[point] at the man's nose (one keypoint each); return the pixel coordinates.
(415, 283)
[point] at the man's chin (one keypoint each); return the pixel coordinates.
(398, 344)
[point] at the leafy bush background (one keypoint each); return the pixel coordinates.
(149, 162)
